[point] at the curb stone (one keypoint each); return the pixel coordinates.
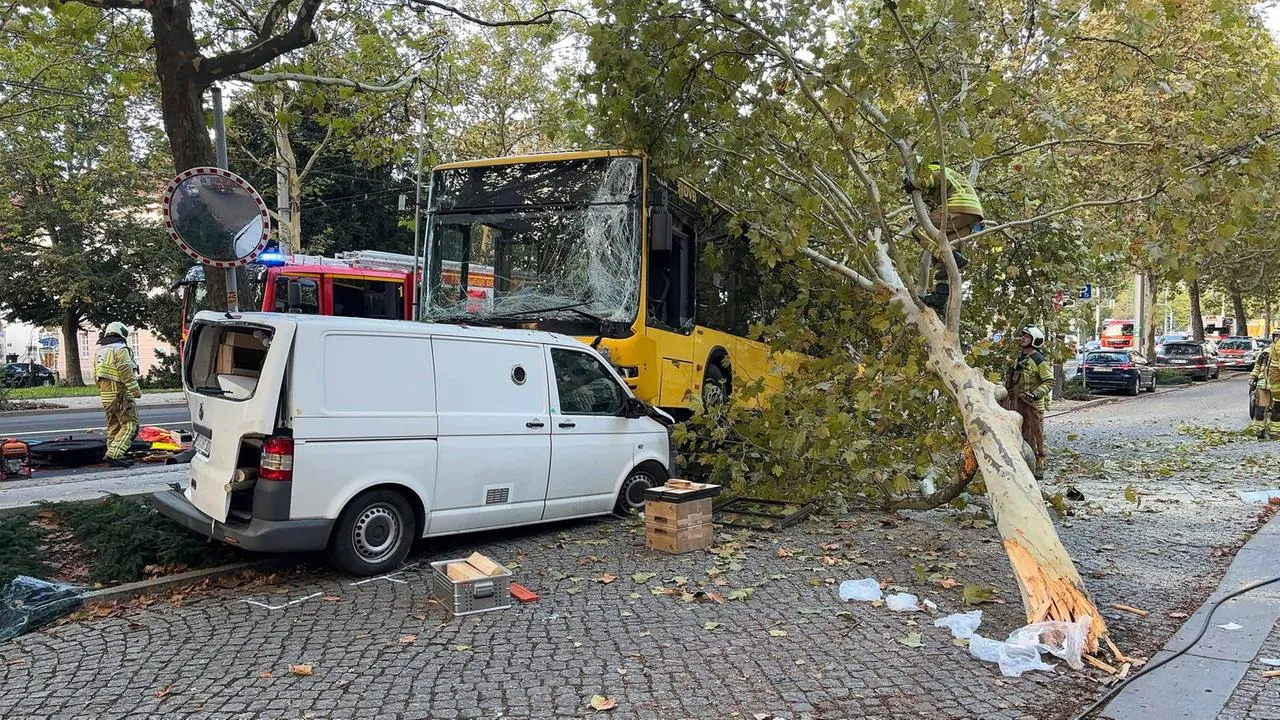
(142, 587)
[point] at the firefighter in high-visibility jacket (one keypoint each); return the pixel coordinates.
(955, 209)
(118, 388)
(1264, 384)
(1029, 382)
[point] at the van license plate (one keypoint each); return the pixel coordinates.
(1103, 369)
(202, 444)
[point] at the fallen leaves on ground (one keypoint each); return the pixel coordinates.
(301, 670)
(331, 598)
(164, 691)
(716, 597)
(606, 578)
(741, 593)
(778, 633)
(643, 577)
(461, 648)
(265, 674)
(408, 639)
(949, 583)
(974, 594)
(710, 625)
(600, 703)
(912, 641)
(784, 553)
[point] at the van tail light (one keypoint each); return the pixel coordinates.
(277, 459)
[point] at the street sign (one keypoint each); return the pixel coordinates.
(1086, 292)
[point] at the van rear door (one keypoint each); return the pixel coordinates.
(233, 374)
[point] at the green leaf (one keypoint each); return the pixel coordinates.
(975, 594)
(740, 593)
(643, 577)
(913, 640)
(1131, 494)
(710, 625)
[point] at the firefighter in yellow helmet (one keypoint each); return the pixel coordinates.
(118, 388)
(1264, 385)
(1029, 382)
(955, 209)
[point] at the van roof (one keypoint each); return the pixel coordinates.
(479, 332)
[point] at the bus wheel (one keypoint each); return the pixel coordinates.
(715, 388)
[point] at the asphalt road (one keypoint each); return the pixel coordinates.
(49, 425)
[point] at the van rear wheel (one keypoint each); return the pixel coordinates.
(643, 477)
(373, 534)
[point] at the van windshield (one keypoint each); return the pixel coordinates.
(226, 360)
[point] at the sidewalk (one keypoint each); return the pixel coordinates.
(92, 402)
(138, 480)
(1220, 676)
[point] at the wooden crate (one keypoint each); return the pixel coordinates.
(681, 540)
(677, 515)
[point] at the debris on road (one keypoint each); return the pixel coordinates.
(865, 590)
(27, 603)
(1130, 609)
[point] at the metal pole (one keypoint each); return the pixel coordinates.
(417, 212)
(220, 148)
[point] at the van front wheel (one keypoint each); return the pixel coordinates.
(373, 535)
(643, 477)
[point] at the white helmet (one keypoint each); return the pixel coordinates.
(118, 328)
(1036, 335)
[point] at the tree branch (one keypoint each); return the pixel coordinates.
(1063, 210)
(114, 4)
(1068, 141)
(328, 135)
(543, 18)
(275, 77)
(299, 35)
(838, 267)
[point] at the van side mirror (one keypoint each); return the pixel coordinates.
(633, 408)
(294, 294)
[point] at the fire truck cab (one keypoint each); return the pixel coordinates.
(360, 283)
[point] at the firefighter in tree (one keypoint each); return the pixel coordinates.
(1264, 385)
(1029, 382)
(118, 388)
(955, 209)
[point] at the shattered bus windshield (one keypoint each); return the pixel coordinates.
(557, 239)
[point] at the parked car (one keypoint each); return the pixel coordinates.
(1189, 358)
(1118, 370)
(26, 374)
(396, 430)
(1238, 353)
(1083, 350)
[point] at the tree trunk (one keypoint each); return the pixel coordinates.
(1149, 315)
(1197, 315)
(1048, 581)
(285, 174)
(182, 104)
(1237, 306)
(71, 348)
(1266, 316)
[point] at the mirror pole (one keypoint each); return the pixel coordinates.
(220, 145)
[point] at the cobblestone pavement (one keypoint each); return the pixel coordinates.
(786, 649)
(1257, 697)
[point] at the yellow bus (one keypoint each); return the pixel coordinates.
(593, 244)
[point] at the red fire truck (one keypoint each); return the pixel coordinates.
(360, 283)
(1117, 333)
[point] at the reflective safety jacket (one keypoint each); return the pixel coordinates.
(961, 196)
(1031, 375)
(115, 363)
(1266, 372)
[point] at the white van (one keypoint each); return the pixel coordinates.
(357, 435)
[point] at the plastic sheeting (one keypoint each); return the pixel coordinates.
(27, 603)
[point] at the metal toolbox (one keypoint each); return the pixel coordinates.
(468, 597)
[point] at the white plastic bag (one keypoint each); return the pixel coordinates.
(903, 602)
(1012, 659)
(961, 625)
(1061, 639)
(865, 590)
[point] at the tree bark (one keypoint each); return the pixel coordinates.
(1197, 315)
(71, 347)
(1241, 325)
(1048, 581)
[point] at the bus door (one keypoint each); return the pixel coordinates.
(669, 306)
